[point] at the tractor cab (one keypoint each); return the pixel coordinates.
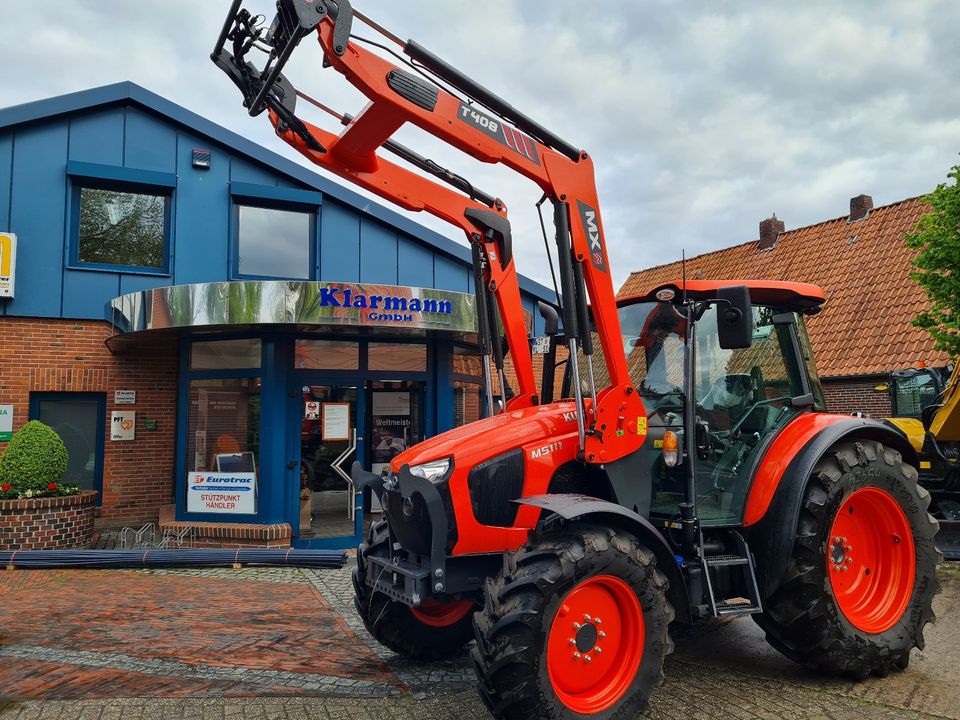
(712, 409)
(917, 389)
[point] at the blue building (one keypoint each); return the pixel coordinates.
(216, 331)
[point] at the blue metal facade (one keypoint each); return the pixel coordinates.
(126, 135)
(123, 137)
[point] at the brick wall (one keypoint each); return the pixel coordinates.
(40, 355)
(845, 396)
(47, 523)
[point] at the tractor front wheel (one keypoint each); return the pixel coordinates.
(435, 631)
(860, 583)
(574, 626)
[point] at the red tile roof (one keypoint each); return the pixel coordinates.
(863, 267)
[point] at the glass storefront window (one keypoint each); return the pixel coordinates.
(78, 420)
(467, 361)
(223, 426)
(326, 355)
(467, 402)
(398, 357)
(225, 355)
(286, 254)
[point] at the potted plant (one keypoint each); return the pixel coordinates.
(40, 511)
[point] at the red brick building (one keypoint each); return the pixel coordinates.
(860, 260)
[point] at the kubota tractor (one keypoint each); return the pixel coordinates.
(687, 471)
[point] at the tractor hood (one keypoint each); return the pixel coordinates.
(475, 442)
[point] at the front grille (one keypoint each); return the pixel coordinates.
(494, 485)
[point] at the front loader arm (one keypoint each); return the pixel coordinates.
(613, 422)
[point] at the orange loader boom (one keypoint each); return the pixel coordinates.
(612, 421)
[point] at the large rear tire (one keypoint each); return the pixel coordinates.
(574, 626)
(435, 631)
(859, 587)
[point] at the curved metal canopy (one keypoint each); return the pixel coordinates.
(305, 305)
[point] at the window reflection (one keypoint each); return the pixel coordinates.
(225, 354)
(121, 228)
(399, 357)
(274, 243)
(326, 355)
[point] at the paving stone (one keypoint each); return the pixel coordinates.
(284, 644)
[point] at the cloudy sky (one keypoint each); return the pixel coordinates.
(702, 118)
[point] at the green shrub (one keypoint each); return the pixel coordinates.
(33, 464)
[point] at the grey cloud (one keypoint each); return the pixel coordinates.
(702, 118)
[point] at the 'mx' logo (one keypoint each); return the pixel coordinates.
(588, 216)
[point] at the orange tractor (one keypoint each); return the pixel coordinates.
(687, 470)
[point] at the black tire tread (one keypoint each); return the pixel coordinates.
(391, 623)
(511, 628)
(801, 619)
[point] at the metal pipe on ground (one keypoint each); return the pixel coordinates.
(176, 558)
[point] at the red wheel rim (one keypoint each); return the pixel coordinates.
(441, 614)
(595, 644)
(871, 560)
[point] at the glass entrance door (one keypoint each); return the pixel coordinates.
(329, 442)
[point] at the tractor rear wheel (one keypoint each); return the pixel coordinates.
(859, 587)
(434, 631)
(574, 626)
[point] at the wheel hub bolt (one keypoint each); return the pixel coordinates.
(597, 621)
(602, 634)
(577, 626)
(587, 658)
(573, 641)
(843, 568)
(848, 548)
(576, 656)
(849, 559)
(836, 567)
(586, 617)
(836, 539)
(598, 649)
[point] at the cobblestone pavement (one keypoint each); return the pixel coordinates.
(285, 643)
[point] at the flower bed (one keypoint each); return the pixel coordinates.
(47, 523)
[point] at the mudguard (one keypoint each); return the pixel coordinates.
(578, 507)
(772, 537)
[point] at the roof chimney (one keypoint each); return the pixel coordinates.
(770, 230)
(860, 207)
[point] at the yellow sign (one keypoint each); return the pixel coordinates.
(8, 263)
(641, 425)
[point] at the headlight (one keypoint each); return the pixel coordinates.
(433, 470)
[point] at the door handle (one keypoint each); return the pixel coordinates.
(291, 465)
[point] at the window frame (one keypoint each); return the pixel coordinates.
(36, 397)
(126, 180)
(268, 197)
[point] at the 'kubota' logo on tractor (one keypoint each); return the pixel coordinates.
(588, 216)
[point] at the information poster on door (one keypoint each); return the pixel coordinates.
(392, 427)
(336, 421)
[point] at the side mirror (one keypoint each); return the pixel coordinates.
(551, 320)
(734, 317)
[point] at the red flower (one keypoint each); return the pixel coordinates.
(5, 487)
(52, 486)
